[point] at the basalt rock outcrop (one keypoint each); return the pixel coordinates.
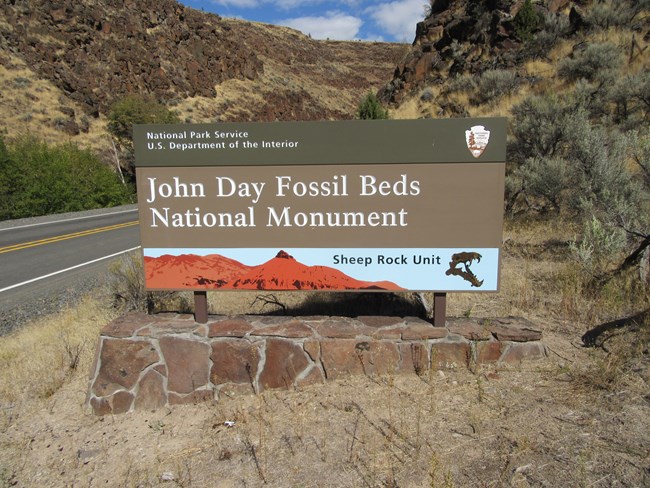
(462, 37)
(148, 46)
(95, 52)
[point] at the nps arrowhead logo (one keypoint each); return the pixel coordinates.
(477, 140)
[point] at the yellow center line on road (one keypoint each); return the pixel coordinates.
(51, 240)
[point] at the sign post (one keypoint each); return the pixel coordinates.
(332, 206)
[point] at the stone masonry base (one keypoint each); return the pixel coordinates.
(151, 361)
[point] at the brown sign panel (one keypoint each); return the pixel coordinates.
(427, 215)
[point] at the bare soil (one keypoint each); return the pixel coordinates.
(579, 418)
(542, 424)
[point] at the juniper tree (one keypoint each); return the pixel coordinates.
(370, 108)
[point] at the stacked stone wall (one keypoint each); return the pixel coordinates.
(151, 361)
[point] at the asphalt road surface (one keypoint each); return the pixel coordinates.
(45, 258)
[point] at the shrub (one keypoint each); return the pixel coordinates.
(596, 252)
(583, 169)
(136, 109)
(495, 84)
(538, 131)
(127, 285)
(370, 108)
(631, 98)
(546, 178)
(553, 28)
(537, 126)
(608, 14)
(38, 179)
(598, 62)
(461, 84)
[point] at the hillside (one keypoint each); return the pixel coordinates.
(481, 58)
(64, 63)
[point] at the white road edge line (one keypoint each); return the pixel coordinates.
(68, 269)
(68, 220)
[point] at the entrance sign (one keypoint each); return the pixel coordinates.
(353, 205)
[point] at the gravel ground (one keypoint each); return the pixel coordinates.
(48, 301)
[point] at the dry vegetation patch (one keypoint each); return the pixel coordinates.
(33, 105)
(39, 359)
(534, 426)
(579, 418)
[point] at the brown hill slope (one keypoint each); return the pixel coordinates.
(65, 62)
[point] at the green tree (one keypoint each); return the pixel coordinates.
(526, 21)
(129, 111)
(10, 177)
(136, 109)
(39, 179)
(370, 108)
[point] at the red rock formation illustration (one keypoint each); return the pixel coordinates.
(282, 272)
(191, 271)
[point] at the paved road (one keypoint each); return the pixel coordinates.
(47, 255)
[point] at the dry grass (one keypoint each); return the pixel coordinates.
(37, 360)
(578, 419)
(302, 78)
(32, 106)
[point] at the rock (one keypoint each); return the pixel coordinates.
(415, 357)
(151, 392)
(340, 358)
(518, 352)
(293, 329)
(89, 67)
(344, 357)
(517, 334)
(284, 362)
(377, 322)
(121, 402)
(100, 406)
(187, 362)
(121, 362)
(229, 328)
(488, 352)
(577, 19)
(458, 37)
(312, 377)
(513, 329)
(126, 325)
(85, 455)
(234, 361)
(342, 328)
(470, 329)
(450, 355)
(224, 357)
(423, 330)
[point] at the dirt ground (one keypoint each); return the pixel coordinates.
(580, 418)
(541, 424)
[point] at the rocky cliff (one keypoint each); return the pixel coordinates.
(463, 37)
(64, 62)
(95, 51)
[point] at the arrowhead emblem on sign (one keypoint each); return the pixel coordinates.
(477, 140)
